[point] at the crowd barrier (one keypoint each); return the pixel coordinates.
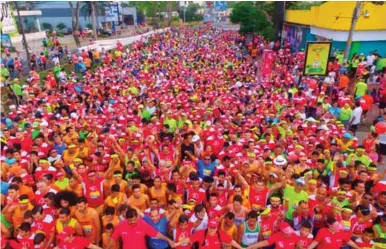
(111, 43)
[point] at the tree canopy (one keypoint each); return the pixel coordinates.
(191, 13)
(252, 19)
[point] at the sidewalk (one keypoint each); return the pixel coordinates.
(36, 46)
(68, 40)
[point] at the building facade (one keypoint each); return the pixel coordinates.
(331, 21)
(59, 12)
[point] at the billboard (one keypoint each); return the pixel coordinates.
(112, 13)
(6, 40)
(295, 36)
(316, 62)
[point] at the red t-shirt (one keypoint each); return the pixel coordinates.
(211, 242)
(77, 243)
(282, 242)
(305, 241)
(326, 239)
(134, 236)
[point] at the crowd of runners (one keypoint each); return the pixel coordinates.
(182, 141)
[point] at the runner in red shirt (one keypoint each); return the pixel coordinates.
(25, 237)
(210, 238)
(43, 223)
(69, 241)
(332, 237)
(305, 234)
(133, 232)
(283, 239)
(183, 231)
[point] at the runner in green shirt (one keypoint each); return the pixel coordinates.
(4, 72)
(360, 88)
(292, 197)
(345, 113)
(359, 156)
(16, 87)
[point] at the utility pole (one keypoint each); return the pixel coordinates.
(354, 20)
(24, 40)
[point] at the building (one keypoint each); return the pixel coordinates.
(109, 16)
(29, 20)
(331, 21)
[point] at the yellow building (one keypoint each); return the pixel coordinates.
(331, 21)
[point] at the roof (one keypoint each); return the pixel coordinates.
(337, 16)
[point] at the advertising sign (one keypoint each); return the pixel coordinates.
(316, 62)
(6, 40)
(112, 13)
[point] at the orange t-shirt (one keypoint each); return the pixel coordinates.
(106, 240)
(343, 82)
(368, 102)
(140, 203)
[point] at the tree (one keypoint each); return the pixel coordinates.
(306, 5)
(47, 26)
(4, 11)
(249, 17)
(75, 21)
(89, 9)
(21, 31)
(61, 26)
(191, 13)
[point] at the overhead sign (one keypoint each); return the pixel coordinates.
(220, 5)
(6, 40)
(316, 62)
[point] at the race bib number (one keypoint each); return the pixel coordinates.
(87, 228)
(267, 234)
(207, 172)
(95, 195)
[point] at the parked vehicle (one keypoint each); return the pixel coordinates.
(104, 32)
(66, 31)
(87, 31)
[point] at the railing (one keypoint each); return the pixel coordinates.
(111, 43)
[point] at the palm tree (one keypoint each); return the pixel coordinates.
(93, 10)
(75, 21)
(89, 9)
(4, 11)
(21, 31)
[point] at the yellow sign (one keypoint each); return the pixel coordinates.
(316, 62)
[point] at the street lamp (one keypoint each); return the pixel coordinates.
(184, 13)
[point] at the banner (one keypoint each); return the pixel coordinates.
(316, 62)
(6, 40)
(269, 60)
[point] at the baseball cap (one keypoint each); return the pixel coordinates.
(213, 224)
(286, 228)
(67, 231)
(195, 138)
(300, 181)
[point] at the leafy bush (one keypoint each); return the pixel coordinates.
(47, 26)
(61, 26)
(251, 19)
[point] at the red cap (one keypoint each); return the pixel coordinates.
(213, 224)
(67, 231)
(286, 228)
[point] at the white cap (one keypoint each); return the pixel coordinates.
(195, 138)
